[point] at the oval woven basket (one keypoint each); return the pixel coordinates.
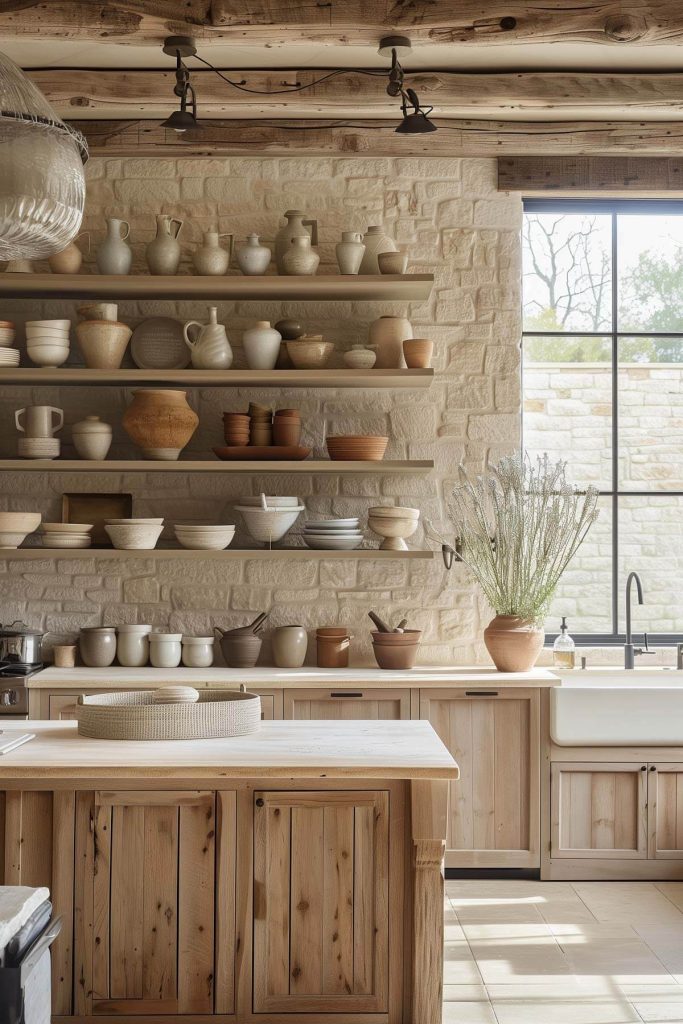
(218, 714)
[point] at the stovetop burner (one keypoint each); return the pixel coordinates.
(23, 671)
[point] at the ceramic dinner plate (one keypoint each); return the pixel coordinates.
(158, 344)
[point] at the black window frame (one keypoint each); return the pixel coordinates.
(613, 207)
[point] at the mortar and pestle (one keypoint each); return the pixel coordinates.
(241, 646)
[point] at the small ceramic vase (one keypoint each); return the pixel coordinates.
(350, 252)
(300, 258)
(261, 346)
(69, 260)
(252, 257)
(92, 438)
(97, 645)
(289, 646)
(114, 256)
(160, 422)
(163, 252)
(296, 227)
(132, 646)
(387, 336)
(165, 649)
(210, 259)
(375, 242)
(210, 348)
(359, 357)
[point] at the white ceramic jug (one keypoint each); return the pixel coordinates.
(163, 252)
(114, 256)
(209, 258)
(210, 348)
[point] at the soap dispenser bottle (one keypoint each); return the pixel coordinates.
(564, 648)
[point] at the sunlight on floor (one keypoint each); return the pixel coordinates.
(519, 952)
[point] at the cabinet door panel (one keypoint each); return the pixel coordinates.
(665, 811)
(598, 809)
(147, 904)
(321, 887)
(494, 807)
(347, 703)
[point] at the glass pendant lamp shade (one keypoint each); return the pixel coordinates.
(42, 186)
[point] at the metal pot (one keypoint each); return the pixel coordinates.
(20, 645)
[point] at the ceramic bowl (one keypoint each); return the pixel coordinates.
(205, 538)
(392, 262)
(271, 525)
(103, 343)
(55, 334)
(332, 542)
(309, 353)
(132, 537)
(66, 527)
(394, 512)
(16, 526)
(46, 353)
(417, 353)
(9, 356)
(356, 447)
(67, 540)
(7, 336)
(134, 522)
(394, 531)
(272, 500)
(332, 524)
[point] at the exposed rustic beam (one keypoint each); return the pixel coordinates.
(591, 174)
(349, 21)
(462, 138)
(118, 93)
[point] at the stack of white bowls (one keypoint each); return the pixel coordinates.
(66, 535)
(9, 356)
(47, 341)
(334, 534)
(134, 534)
(268, 517)
(205, 538)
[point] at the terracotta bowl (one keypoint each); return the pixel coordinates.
(361, 447)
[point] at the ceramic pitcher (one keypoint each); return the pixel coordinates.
(301, 257)
(114, 256)
(210, 258)
(163, 252)
(350, 252)
(295, 227)
(210, 348)
(38, 420)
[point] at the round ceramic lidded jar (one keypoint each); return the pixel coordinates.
(97, 645)
(197, 651)
(92, 438)
(360, 357)
(160, 422)
(165, 650)
(132, 649)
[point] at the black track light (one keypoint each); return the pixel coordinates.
(181, 120)
(415, 122)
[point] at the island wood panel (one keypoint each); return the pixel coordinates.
(37, 841)
(598, 810)
(494, 735)
(321, 902)
(145, 886)
(347, 702)
(665, 811)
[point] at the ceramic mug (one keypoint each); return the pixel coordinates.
(38, 420)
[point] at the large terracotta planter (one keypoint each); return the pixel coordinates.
(160, 422)
(514, 644)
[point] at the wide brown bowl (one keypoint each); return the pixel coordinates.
(357, 447)
(396, 657)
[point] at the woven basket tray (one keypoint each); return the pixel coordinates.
(217, 714)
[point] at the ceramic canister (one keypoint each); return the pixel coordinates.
(92, 438)
(197, 651)
(97, 645)
(132, 648)
(165, 650)
(289, 646)
(332, 643)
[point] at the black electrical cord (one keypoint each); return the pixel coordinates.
(293, 88)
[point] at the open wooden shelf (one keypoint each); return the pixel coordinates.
(213, 466)
(229, 553)
(319, 288)
(68, 376)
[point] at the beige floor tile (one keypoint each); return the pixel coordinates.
(464, 993)
(499, 962)
(468, 1013)
(666, 943)
(517, 933)
(459, 966)
(666, 1008)
(574, 1008)
(673, 891)
(630, 902)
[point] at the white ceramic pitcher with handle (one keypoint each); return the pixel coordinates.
(210, 347)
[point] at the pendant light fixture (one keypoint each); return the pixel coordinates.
(416, 121)
(182, 119)
(42, 185)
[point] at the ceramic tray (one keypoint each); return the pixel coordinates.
(278, 453)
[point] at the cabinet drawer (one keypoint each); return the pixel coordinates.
(347, 702)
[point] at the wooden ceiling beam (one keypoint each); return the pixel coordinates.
(490, 138)
(591, 175)
(362, 22)
(129, 93)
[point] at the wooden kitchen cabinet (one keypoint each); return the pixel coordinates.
(321, 896)
(347, 702)
(494, 735)
(146, 878)
(665, 810)
(599, 810)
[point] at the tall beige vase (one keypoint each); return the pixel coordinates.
(387, 335)
(160, 422)
(513, 644)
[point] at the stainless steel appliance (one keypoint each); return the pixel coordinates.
(13, 692)
(20, 645)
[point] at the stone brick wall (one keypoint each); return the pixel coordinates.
(455, 225)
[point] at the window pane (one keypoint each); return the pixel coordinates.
(585, 591)
(567, 384)
(651, 544)
(650, 278)
(567, 272)
(651, 414)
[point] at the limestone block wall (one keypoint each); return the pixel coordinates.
(454, 224)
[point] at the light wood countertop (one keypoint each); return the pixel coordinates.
(292, 749)
(117, 677)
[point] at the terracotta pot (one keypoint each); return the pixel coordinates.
(418, 352)
(160, 422)
(513, 643)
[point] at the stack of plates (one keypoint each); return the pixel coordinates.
(334, 534)
(66, 535)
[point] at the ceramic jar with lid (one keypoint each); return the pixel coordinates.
(160, 422)
(97, 645)
(261, 346)
(132, 647)
(165, 649)
(296, 227)
(253, 258)
(300, 258)
(289, 646)
(197, 651)
(375, 242)
(387, 335)
(92, 438)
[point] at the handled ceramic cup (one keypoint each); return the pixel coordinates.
(38, 420)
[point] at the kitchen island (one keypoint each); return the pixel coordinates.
(292, 872)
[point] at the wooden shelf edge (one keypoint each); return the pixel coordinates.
(214, 466)
(318, 287)
(365, 554)
(337, 378)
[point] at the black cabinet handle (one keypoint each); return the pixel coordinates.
(481, 693)
(346, 693)
(259, 801)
